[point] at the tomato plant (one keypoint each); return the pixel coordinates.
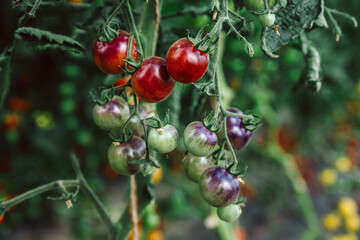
(258, 5)
(110, 56)
(229, 213)
(185, 63)
(238, 135)
(151, 82)
(267, 19)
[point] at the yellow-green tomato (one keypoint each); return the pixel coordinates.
(195, 166)
(258, 5)
(267, 19)
(163, 140)
(229, 213)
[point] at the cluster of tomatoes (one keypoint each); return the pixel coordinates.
(266, 19)
(153, 81)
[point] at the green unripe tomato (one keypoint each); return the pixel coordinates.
(258, 5)
(163, 140)
(267, 19)
(151, 220)
(229, 213)
(194, 166)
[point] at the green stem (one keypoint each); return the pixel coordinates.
(35, 8)
(334, 22)
(59, 184)
(224, 229)
(343, 14)
(93, 197)
(133, 24)
(300, 188)
(113, 14)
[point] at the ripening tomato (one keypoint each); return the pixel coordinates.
(218, 187)
(185, 63)
(238, 135)
(163, 140)
(122, 81)
(195, 166)
(152, 82)
(267, 19)
(229, 213)
(112, 115)
(120, 156)
(109, 56)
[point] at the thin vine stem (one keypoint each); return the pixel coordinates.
(113, 14)
(35, 8)
(133, 24)
(59, 184)
(334, 22)
(343, 14)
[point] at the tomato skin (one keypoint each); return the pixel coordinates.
(258, 5)
(185, 63)
(267, 19)
(120, 156)
(152, 82)
(195, 166)
(122, 81)
(112, 115)
(229, 213)
(164, 141)
(108, 56)
(198, 140)
(218, 187)
(238, 135)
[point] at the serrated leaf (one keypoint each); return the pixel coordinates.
(49, 39)
(298, 15)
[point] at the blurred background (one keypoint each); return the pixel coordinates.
(47, 115)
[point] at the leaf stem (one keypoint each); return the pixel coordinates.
(133, 24)
(34, 8)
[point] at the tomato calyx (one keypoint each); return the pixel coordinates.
(202, 41)
(239, 173)
(212, 123)
(156, 122)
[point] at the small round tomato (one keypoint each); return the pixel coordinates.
(198, 140)
(238, 135)
(112, 115)
(122, 81)
(152, 82)
(267, 19)
(121, 155)
(218, 187)
(229, 213)
(195, 166)
(185, 63)
(258, 5)
(163, 140)
(110, 56)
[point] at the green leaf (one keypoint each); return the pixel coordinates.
(46, 39)
(5, 74)
(298, 15)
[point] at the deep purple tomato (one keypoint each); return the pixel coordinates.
(185, 63)
(121, 155)
(152, 82)
(112, 115)
(238, 135)
(218, 187)
(108, 56)
(198, 140)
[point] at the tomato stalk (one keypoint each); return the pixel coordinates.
(35, 8)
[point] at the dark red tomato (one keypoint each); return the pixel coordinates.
(185, 63)
(152, 82)
(1, 219)
(238, 135)
(108, 56)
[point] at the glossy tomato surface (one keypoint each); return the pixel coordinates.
(112, 115)
(108, 56)
(152, 82)
(229, 213)
(185, 63)
(163, 140)
(195, 166)
(121, 155)
(218, 187)
(238, 135)
(198, 140)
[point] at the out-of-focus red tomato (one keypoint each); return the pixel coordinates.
(248, 192)
(19, 104)
(305, 167)
(240, 233)
(110, 173)
(12, 121)
(286, 140)
(1, 219)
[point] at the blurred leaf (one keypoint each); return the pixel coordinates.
(48, 39)
(5, 72)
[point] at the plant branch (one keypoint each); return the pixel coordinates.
(134, 208)
(343, 14)
(133, 24)
(34, 8)
(157, 22)
(334, 22)
(93, 197)
(59, 184)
